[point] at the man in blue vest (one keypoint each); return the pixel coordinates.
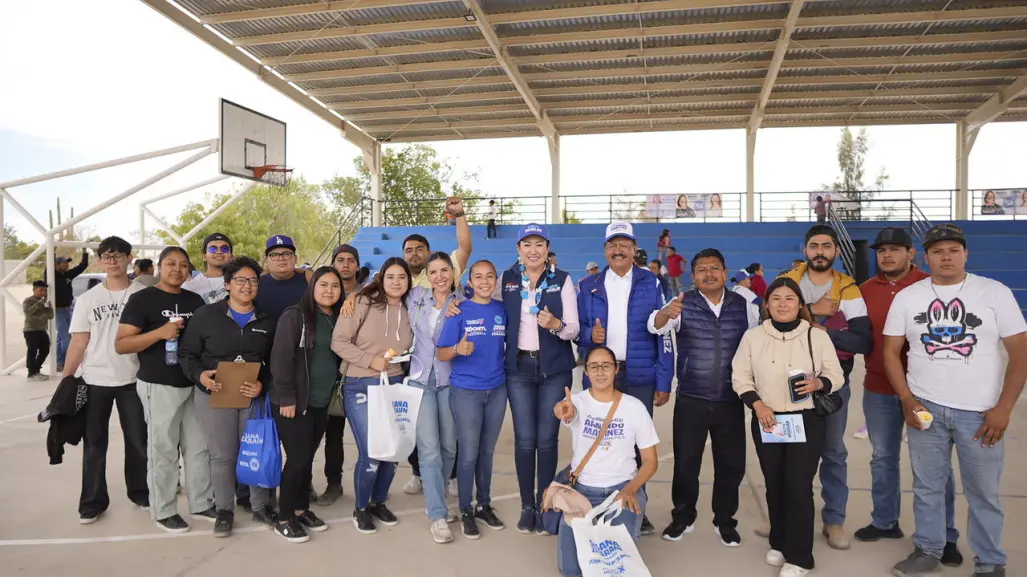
(712, 323)
(623, 307)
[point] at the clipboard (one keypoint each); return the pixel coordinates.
(231, 375)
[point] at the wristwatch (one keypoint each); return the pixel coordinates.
(555, 332)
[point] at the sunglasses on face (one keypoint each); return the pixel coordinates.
(222, 249)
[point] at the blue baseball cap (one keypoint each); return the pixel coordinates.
(532, 229)
(619, 228)
(279, 241)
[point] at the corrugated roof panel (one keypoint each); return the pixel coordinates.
(450, 109)
(469, 32)
(381, 15)
(305, 22)
(648, 19)
(207, 7)
(841, 7)
(405, 77)
(654, 62)
(306, 47)
(503, 6)
(473, 61)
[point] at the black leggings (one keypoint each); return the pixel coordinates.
(300, 437)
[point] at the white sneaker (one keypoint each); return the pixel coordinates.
(775, 558)
(413, 486)
(861, 433)
(453, 490)
(440, 532)
(790, 570)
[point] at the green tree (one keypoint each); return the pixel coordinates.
(297, 211)
(851, 182)
(571, 218)
(17, 249)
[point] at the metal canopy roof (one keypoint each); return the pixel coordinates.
(426, 70)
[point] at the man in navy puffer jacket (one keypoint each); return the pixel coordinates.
(712, 323)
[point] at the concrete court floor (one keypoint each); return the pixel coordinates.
(40, 535)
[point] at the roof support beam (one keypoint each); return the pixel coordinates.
(996, 105)
(783, 41)
(338, 55)
(176, 15)
(350, 31)
(305, 10)
(469, 64)
(503, 56)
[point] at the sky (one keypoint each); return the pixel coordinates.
(86, 82)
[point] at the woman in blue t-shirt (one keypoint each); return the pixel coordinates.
(474, 342)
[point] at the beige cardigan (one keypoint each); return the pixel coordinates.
(765, 356)
(385, 328)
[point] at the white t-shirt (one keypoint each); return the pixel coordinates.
(956, 355)
(614, 461)
(98, 312)
(211, 289)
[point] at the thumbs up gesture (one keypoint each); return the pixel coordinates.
(547, 321)
(564, 410)
(673, 308)
(465, 347)
(598, 333)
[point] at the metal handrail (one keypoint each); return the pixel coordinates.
(845, 244)
(335, 240)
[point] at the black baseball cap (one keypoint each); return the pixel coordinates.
(347, 249)
(215, 236)
(892, 235)
(946, 231)
(641, 257)
(61, 259)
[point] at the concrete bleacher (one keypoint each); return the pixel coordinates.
(997, 248)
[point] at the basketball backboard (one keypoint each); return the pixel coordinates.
(249, 139)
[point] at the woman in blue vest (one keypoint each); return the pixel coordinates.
(542, 320)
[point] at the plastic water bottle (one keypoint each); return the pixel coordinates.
(171, 349)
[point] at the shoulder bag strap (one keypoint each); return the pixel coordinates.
(809, 340)
(599, 438)
(344, 366)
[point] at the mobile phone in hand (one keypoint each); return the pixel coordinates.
(795, 377)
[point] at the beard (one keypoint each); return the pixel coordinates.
(818, 265)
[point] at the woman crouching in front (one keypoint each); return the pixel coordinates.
(611, 468)
(305, 372)
(380, 322)
(783, 347)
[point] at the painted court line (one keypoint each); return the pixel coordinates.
(192, 533)
(21, 418)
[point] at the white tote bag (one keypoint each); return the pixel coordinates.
(605, 550)
(392, 420)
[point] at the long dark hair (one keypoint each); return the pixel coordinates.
(439, 255)
(375, 292)
(309, 308)
(783, 281)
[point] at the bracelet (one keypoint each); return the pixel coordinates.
(555, 331)
(456, 214)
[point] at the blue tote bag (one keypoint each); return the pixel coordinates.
(260, 452)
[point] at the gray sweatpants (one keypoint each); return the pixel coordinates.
(224, 428)
(171, 425)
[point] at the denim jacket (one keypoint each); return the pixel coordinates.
(420, 301)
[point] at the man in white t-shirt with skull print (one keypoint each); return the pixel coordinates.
(959, 390)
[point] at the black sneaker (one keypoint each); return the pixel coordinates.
(266, 516)
(527, 525)
(364, 522)
(173, 524)
(89, 518)
(647, 526)
(141, 503)
(676, 530)
(382, 514)
(872, 533)
(997, 571)
(291, 531)
(540, 526)
(918, 562)
(223, 524)
(488, 516)
(468, 526)
(244, 504)
(951, 557)
(311, 522)
(208, 515)
(729, 536)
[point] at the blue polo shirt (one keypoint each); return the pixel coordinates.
(485, 326)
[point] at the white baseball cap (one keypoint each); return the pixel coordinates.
(620, 228)
(591, 265)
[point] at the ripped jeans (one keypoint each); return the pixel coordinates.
(371, 478)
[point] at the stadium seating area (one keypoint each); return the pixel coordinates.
(997, 248)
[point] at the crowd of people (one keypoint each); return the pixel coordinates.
(785, 351)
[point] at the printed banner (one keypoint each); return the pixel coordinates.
(671, 206)
(837, 199)
(1006, 201)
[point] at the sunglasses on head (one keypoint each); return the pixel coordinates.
(225, 249)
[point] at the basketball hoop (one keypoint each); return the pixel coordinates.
(273, 175)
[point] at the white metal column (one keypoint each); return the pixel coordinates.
(750, 174)
(965, 138)
(554, 185)
(3, 304)
(373, 162)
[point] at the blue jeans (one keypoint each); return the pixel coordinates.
(567, 552)
(884, 420)
(371, 478)
(63, 318)
(980, 469)
(436, 444)
(834, 470)
(536, 429)
(479, 418)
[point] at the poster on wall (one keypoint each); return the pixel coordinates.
(672, 206)
(1006, 201)
(834, 198)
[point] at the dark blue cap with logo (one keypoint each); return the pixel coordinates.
(279, 241)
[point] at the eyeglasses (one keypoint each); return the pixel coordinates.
(241, 281)
(281, 255)
(224, 249)
(600, 367)
(112, 257)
